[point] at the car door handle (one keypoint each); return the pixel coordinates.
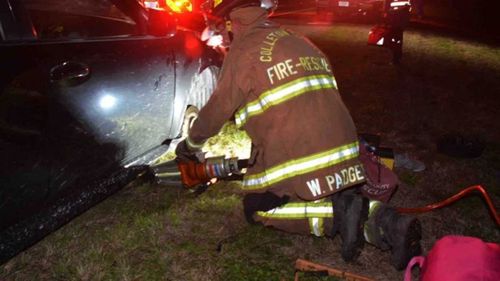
(69, 73)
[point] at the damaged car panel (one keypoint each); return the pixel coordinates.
(87, 88)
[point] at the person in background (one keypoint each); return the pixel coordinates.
(396, 16)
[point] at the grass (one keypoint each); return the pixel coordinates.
(151, 232)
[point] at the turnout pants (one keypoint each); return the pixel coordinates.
(317, 217)
(299, 217)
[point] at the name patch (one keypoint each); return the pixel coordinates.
(330, 183)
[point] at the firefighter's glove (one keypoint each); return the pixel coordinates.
(266, 201)
(185, 154)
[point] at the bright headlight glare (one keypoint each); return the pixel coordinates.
(107, 102)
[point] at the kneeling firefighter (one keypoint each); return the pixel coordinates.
(304, 173)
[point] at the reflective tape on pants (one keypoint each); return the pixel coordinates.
(300, 210)
(317, 226)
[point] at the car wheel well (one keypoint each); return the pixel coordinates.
(190, 115)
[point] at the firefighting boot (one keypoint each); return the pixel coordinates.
(350, 211)
(388, 229)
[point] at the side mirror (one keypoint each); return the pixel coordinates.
(161, 23)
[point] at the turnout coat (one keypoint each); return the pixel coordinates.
(280, 89)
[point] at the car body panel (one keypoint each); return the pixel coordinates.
(79, 103)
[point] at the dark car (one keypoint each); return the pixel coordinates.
(90, 91)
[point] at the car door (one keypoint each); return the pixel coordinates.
(112, 86)
(84, 91)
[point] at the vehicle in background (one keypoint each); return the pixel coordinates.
(90, 91)
(350, 8)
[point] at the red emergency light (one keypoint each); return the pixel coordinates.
(180, 6)
(177, 6)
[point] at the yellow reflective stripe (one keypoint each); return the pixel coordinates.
(301, 166)
(192, 145)
(300, 211)
(297, 214)
(316, 203)
(313, 226)
(283, 93)
(316, 225)
(374, 206)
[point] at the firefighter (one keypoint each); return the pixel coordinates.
(396, 16)
(304, 168)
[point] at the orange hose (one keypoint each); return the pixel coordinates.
(455, 198)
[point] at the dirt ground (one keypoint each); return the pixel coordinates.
(445, 84)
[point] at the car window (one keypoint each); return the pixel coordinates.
(78, 19)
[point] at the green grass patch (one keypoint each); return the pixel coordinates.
(255, 255)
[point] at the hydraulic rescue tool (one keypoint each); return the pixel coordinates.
(195, 175)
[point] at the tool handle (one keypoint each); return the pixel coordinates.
(304, 265)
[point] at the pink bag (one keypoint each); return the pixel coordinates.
(458, 258)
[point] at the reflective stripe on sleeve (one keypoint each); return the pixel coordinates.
(301, 166)
(192, 145)
(284, 93)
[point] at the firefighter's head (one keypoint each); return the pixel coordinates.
(227, 17)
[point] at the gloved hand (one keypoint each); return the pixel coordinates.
(184, 154)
